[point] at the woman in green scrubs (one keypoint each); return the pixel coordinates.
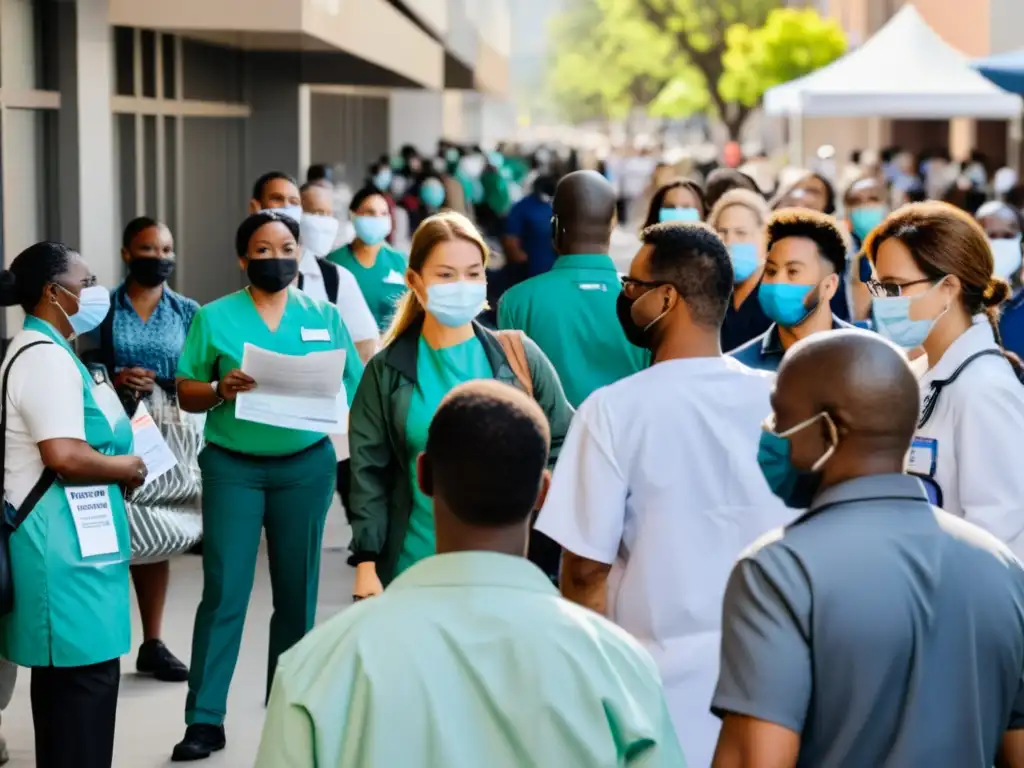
(69, 555)
(434, 344)
(255, 477)
(379, 269)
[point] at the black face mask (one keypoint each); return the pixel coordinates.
(150, 272)
(636, 335)
(272, 275)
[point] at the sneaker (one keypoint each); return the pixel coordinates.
(156, 660)
(201, 740)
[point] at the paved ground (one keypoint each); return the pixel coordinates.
(150, 716)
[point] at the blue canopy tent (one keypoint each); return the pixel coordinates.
(1004, 69)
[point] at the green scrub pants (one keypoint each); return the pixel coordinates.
(288, 496)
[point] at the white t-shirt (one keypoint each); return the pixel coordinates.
(659, 477)
(44, 402)
(354, 311)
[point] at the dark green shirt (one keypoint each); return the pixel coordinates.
(570, 313)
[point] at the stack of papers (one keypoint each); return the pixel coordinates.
(295, 391)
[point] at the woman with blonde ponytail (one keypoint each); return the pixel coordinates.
(936, 288)
(433, 345)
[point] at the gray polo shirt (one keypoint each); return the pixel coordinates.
(884, 631)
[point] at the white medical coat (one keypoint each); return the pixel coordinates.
(659, 476)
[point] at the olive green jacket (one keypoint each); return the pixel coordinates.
(381, 498)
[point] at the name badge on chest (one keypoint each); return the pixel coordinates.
(923, 457)
(316, 334)
(395, 278)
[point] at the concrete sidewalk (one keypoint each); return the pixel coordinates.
(150, 717)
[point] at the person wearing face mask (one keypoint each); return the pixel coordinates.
(845, 634)
(70, 620)
(739, 218)
(1003, 225)
(679, 200)
(325, 280)
(937, 288)
(571, 311)
(378, 268)
(277, 191)
(658, 490)
(527, 239)
(434, 344)
(138, 344)
(806, 250)
(866, 205)
(425, 199)
(255, 477)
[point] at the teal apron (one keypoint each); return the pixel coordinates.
(70, 611)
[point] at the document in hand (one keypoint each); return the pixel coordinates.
(150, 445)
(295, 391)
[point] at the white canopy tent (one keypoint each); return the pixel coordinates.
(904, 71)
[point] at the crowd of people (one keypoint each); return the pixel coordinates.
(770, 470)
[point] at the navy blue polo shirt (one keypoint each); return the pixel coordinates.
(743, 324)
(765, 352)
(529, 221)
(1011, 325)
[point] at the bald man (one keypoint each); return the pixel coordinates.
(571, 311)
(876, 630)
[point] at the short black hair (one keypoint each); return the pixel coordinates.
(659, 198)
(821, 228)
(134, 227)
(721, 180)
(261, 183)
(319, 172)
(362, 196)
(31, 271)
(487, 449)
(252, 223)
(693, 259)
(830, 192)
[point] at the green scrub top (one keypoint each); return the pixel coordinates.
(438, 371)
(214, 347)
(58, 594)
(570, 313)
(382, 285)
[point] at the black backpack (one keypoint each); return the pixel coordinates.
(331, 280)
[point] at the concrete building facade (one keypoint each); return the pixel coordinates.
(111, 109)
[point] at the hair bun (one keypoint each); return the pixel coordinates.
(996, 293)
(8, 289)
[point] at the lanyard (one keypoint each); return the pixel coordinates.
(932, 398)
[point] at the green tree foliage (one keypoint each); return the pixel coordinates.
(791, 44)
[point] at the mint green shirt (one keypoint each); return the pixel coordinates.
(570, 313)
(382, 285)
(214, 347)
(438, 371)
(467, 660)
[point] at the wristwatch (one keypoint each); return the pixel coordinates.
(216, 391)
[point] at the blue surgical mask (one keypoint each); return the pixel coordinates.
(93, 306)
(891, 317)
(382, 180)
(1007, 256)
(796, 488)
(745, 260)
(372, 229)
(866, 218)
(432, 193)
(456, 304)
(678, 214)
(784, 303)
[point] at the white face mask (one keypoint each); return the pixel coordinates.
(293, 212)
(317, 233)
(1007, 256)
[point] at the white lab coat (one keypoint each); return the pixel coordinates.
(659, 476)
(973, 438)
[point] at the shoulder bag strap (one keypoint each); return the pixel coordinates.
(515, 352)
(46, 479)
(331, 280)
(932, 398)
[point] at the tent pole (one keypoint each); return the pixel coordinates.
(1013, 143)
(796, 139)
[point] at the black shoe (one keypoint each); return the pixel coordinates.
(201, 740)
(156, 660)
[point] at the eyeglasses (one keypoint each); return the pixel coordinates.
(892, 290)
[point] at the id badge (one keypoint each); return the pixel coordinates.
(923, 457)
